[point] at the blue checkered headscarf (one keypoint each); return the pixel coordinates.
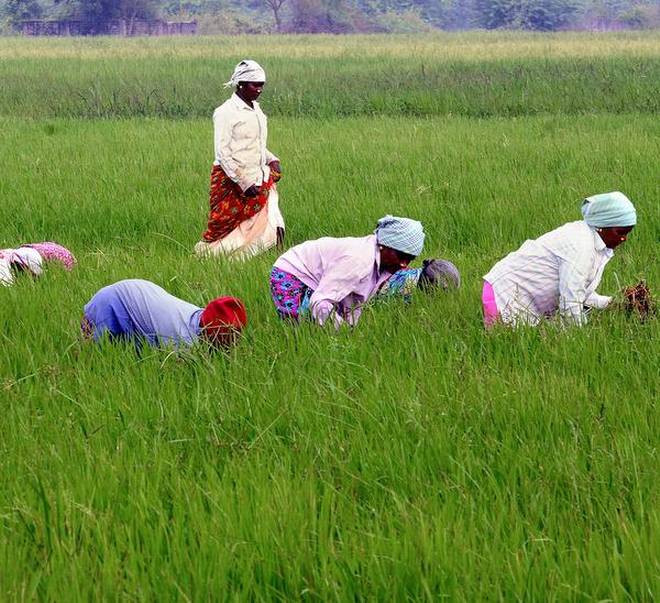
(402, 234)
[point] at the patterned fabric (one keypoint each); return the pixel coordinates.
(229, 206)
(290, 295)
(403, 282)
(402, 234)
(608, 210)
(50, 251)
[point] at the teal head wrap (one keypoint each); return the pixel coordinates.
(609, 209)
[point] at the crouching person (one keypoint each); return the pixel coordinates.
(558, 273)
(141, 311)
(333, 278)
(30, 258)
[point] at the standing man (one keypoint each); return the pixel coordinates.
(244, 217)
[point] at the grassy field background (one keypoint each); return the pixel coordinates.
(413, 458)
(476, 75)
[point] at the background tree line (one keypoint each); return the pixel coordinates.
(347, 16)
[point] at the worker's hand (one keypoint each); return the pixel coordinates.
(276, 170)
(251, 191)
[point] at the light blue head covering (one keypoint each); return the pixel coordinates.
(609, 209)
(402, 234)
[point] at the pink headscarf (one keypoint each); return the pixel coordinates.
(50, 250)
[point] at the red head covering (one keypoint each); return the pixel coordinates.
(222, 316)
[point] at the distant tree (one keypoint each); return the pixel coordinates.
(130, 10)
(542, 15)
(276, 7)
(461, 14)
(642, 16)
(192, 7)
(317, 16)
(604, 14)
(95, 14)
(22, 10)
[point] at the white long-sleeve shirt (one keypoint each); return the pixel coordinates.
(559, 271)
(240, 134)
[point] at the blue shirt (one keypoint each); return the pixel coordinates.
(403, 282)
(140, 310)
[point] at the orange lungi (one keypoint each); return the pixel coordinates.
(229, 206)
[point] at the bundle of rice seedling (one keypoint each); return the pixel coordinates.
(638, 299)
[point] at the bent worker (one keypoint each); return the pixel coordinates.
(30, 258)
(559, 272)
(244, 217)
(140, 310)
(332, 278)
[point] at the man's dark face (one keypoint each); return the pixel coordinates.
(615, 235)
(251, 91)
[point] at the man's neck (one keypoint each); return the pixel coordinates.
(247, 102)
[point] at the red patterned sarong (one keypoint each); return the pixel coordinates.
(229, 206)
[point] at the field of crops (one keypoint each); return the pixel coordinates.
(413, 458)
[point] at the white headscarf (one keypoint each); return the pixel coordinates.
(6, 277)
(246, 71)
(28, 258)
(608, 210)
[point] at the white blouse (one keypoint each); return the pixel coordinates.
(559, 271)
(240, 134)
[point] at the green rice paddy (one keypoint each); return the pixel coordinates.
(415, 458)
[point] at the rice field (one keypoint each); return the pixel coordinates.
(475, 75)
(414, 458)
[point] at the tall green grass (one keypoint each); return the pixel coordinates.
(475, 74)
(413, 458)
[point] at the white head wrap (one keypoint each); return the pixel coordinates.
(246, 71)
(29, 258)
(6, 277)
(609, 209)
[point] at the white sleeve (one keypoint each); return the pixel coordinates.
(270, 157)
(598, 301)
(322, 306)
(222, 139)
(573, 289)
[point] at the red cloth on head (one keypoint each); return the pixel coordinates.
(223, 315)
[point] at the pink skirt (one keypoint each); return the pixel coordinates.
(491, 313)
